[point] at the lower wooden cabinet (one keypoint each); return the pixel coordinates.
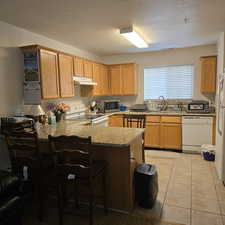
(152, 135)
(170, 136)
(116, 121)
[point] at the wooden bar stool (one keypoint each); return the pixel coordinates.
(136, 121)
(24, 153)
(74, 156)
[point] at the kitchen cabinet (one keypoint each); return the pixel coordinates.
(123, 79)
(115, 79)
(208, 74)
(97, 90)
(104, 74)
(170, 136)
(66, 76)
(152, 135)
(88, 68)
(49, 74)
(78, 64)
(116, 121)
(129, 79)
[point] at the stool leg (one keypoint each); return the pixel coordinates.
(105, 192)
(60, 204)
(91, 198)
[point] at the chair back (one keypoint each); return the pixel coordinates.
(23, 149)
(134, 121)
(73, 155)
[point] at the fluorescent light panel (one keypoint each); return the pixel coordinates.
(133, 37)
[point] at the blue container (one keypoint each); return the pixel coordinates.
(123, 108)
(209, 156)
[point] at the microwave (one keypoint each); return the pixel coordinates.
(198, 106)
(111, 105)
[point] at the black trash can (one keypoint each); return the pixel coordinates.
(146, 185)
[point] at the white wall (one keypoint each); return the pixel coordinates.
(166, 57)
(11, 63)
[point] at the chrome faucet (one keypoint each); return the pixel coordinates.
(163, 103)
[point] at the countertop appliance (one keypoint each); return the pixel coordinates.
(198, 106)
(111, 105)
(196, 131)
(139, 108)
(79, 113)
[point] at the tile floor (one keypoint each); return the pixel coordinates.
(189, 190)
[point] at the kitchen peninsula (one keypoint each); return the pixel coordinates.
(120, 147)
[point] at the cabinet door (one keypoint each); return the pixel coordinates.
(105, 80)
(115, 79)
(152, 135)
(88, 68)
(208, 74)
(129, 79)
(49, 74)
(97, 78)
(66, 76)
(116, 121)
(78, 66)
(170, 135)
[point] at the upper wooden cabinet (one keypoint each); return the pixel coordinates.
(115, 79)
(104, 74)
(123, 79)
(88, 68)
(49, 74)
(66, 76)
(97, 90)
(129, 79)
(208, 74)
(78, 64)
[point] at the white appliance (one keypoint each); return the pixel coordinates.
(220, 135)
(196, 131)
(80, 113)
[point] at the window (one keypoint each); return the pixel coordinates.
(172, 82)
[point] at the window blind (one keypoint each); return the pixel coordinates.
(172, 82)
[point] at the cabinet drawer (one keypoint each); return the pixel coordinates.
(153, 119)
(171, 119)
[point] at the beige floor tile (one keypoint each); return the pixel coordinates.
(202, 194)
(176, 215)
(223, 218)
(204, 189)
(202, 218)
(222, 207)
(179, 187)
(155, 212)
(220, 191)
(207, 205)
(178, 199)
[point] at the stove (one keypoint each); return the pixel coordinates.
(79, 113)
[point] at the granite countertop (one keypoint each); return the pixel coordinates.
(107, 136)
(165, 113)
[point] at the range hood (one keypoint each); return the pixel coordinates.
(83, 81)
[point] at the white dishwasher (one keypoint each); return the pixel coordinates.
(196, 131)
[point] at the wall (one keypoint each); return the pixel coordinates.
(166, 57)
(11, 64)
(220, 114)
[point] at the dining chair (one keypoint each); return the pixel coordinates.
(25, 160)
(74, 158)
(136, 121)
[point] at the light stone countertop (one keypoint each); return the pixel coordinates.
(107, 136)
(165, 113)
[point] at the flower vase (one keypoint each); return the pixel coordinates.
(58, 117)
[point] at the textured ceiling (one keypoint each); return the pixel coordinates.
(93, 24)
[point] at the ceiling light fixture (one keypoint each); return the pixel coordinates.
(131, 35)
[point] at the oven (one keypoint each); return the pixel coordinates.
(111, 105)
